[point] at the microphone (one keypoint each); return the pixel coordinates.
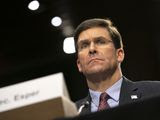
(86, 103)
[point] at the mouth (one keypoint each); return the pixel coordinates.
(94, 60)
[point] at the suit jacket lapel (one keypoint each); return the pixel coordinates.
(129, 92)
(87, 108)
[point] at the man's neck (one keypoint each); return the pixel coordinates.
(102, 82)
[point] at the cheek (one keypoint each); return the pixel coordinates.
(82, 57)
(110, 55)
(82, 60)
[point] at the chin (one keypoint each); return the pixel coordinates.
(95, 70)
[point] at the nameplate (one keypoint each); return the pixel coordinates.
(32, 91)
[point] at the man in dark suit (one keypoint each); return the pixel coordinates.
(99, 56)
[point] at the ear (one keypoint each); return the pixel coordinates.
(79, 65)
(120, 55)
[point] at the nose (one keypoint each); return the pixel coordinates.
(92, 49)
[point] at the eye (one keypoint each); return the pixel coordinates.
(83, 45)
(100, 41)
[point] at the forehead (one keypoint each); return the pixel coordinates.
(94, 33)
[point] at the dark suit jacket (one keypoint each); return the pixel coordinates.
(142, 89)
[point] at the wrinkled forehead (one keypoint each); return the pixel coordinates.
(92, 33)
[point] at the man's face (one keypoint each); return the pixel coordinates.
(96, 52)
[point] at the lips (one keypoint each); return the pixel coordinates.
(94, 59)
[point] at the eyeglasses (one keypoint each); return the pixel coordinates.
(83, 44)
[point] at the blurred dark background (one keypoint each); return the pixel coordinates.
(30, 47)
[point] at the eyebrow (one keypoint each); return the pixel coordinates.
(100, 37)
(82, 41)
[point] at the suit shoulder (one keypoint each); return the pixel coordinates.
(143, 85)
(145, 88)
(143, 82)
(148, 85)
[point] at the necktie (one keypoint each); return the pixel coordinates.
(103, 101)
